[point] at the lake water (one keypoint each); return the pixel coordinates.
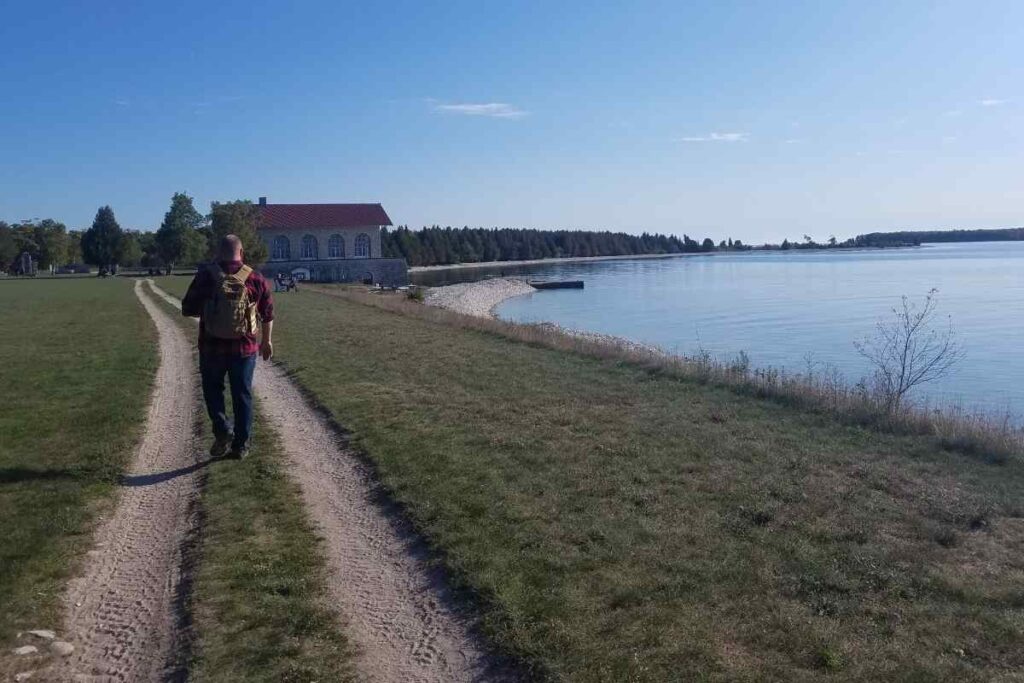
(782, 307)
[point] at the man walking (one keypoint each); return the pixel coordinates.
(231, 300)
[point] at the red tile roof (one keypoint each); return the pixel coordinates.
(297, 216)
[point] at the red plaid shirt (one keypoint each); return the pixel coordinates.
(201, 289)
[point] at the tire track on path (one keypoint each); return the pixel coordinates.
(123, 613)
(398, 611)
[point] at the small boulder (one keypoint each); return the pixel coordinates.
(23, 676)
(26, 650)
(62, 648)
(44, 633)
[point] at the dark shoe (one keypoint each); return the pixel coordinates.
(239, 453)
(220, 445)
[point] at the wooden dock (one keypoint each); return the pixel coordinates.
(556, 284)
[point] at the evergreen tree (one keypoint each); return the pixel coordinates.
(101, 242)
(178, 240)
(239, 218)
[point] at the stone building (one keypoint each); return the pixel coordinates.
(328, 243)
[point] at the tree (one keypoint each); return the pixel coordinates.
(786, 244)
(178, 240)
(908, 351)
(74, 247)
(51, 239)
(101, 242)
(150, 257)
(8, 247)
(240, 218)
(129, 251)
(707, 245)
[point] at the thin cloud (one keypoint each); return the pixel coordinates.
(494, 110)
(122, 102)
(991, 102)
(717, 137)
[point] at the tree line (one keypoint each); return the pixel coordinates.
(184, 238)
(442, 246)
(905, 238)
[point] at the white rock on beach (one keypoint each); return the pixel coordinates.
(477, 298)
(26, 650)
(62, 648)
(43, 633)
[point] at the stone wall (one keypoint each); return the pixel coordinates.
(390, 272)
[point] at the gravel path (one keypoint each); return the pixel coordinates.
(477, 298)
(122, 613)
(397, 610)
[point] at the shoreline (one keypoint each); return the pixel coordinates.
(631, 257)
(542, 261)
(478, 298)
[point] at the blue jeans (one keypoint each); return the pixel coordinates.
(239, 369)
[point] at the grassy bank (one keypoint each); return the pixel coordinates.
(77, 358)
(619, 523)
(989, 437)
(257, 605)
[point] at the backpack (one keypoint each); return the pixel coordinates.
(229, 314)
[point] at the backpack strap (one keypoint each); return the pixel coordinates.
(243, 274)
(218, 273)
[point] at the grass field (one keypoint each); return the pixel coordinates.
(257, 605)
(616, 524)
(77, 358)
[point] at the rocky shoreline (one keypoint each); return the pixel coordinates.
(482, 297)
(477, 298)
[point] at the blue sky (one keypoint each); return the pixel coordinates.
(756, 120)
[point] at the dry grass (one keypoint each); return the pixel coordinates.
(988, 437)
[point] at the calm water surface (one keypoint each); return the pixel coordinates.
(781, 308)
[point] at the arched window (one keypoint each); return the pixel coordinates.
(335, 247)
(282, 250)
(309, 247)
(362, 249)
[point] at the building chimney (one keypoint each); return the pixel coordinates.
(263, 201)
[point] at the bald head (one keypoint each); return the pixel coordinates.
(229, 248)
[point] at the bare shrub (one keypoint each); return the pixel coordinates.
(908, 351)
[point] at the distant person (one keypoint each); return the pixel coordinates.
(231, 300)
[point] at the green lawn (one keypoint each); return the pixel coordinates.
(173, 284)
(258, 605)
(616, 524)
(77, 360)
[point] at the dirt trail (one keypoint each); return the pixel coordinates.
(122, 612)
(398, 611)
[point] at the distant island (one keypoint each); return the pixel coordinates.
(913, 238)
